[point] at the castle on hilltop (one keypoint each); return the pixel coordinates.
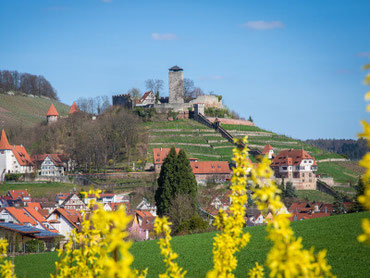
(175, 101)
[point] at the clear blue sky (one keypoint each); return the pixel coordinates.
(295, 66)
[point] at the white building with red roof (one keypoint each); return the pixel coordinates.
(13, 158)
(296, 166)
(148, 99)
(65, 220)
(52, 165)
(267, 150)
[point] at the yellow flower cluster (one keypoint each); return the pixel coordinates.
(364, 199)
(256, 272)
(6, 266)
(232, 238)
(162, 227)
(287, 258)
(99, 249)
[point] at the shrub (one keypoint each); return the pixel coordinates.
(34, 246)
(13, 177)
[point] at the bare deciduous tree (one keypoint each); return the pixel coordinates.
(154, 85)
(134, 93)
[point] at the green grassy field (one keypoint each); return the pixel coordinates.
(337, 234)
(26, 111)
(38, 190)
(315, 195)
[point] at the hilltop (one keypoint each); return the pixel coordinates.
(349, 258)
(26, 110)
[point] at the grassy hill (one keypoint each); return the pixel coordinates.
(25, 110)
(205, 143)
(337, 234)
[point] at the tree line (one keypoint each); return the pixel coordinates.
(93, 105)
(113, 137)
(26, 83)
(352, 149)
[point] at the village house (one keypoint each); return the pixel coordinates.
(61, 197)
(52, 165)
(297, 167)
(216, 171)
(73, 202)
(142, 225)
(147, 100)
(144, 205)
(20, 195)
(267, 150)
(13, 159)
(65, 220)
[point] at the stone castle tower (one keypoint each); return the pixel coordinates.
(176, 85)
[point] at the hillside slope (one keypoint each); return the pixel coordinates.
(26, 111)
(205, 143)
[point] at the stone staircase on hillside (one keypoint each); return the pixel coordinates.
(203, 120)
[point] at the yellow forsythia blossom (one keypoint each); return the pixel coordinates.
(232, 238)
(99, 249)
(364, 199)
(6, 266)
(256, 272)
(162, 227)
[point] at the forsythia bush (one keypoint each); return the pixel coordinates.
(364, 200)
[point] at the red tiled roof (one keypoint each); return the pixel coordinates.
(71, 215)
(56, 158)
(210, 167)
(74, 108)
(62, 196)
(143, 213)
(266, 149)
(18, 194)
(34, 205)
(20, 215)
(291, 157)
(141, 100)
(294, 207)
(159, 154)
(4, 144)
(52, 111)
(22, 156)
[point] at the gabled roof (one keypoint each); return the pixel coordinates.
(4, 144)
(57, 159)
(52, 111)
(71, 215)
(74, 108)
(159, 154)
(292, 158)
(40, 218)
(210, 167)
(22, 156)
(18, 194)
(175, 68)
(266, 149)
(20, 215)
(34, 205)
(144, 97)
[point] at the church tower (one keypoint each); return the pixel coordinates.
(176, 85)
(5, 155)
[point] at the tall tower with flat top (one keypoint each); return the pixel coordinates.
(176, 85)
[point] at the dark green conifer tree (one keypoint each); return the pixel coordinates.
(167, 177)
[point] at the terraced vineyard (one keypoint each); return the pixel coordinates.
(196, 139)
(258, 138)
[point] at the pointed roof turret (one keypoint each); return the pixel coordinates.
(4, 144)
(52, 111)
(74, 108)
(175, 68)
